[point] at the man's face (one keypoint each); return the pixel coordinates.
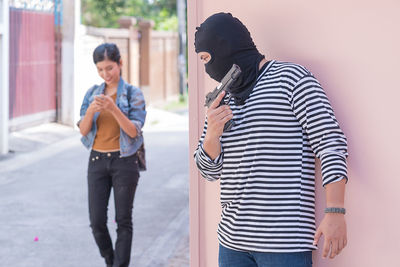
(205, 57)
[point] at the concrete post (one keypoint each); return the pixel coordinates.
(133, 48)
(4, 78)
(196, 113)
(71, 18)
(181, 8)
(145, 27)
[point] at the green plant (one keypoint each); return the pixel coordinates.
(105, 13)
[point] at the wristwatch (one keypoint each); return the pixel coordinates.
(335, 210)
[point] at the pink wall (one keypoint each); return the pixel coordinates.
(353, 48)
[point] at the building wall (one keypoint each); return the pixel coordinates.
(352, 48)
(32, 64)
(164, 76)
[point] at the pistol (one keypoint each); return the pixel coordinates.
(225, 84)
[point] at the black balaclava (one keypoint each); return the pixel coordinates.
(228, 41)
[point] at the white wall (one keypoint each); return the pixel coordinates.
(85, 71)
(4, 78)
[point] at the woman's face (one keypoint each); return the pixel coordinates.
(109, 71)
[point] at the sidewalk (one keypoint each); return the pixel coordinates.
(43, 198)
(161, 120)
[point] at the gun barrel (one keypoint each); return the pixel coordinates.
(226, 82)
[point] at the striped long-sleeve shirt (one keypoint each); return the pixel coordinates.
(267, 163)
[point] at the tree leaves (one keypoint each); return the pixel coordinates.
(105, 13)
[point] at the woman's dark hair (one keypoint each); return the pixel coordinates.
(105, 51)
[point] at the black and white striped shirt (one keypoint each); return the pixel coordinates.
(267, 164)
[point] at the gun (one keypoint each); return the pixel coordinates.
(225, 84)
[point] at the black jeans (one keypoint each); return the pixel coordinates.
(106, 171)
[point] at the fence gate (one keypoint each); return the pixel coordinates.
(33, 64)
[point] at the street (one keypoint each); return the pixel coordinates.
(43, 200)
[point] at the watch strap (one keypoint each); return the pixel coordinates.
(335, 210)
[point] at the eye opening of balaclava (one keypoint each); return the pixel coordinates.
(228, 41)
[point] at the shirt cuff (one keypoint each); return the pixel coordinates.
(206, 156)
(138, 127)
(336, 179)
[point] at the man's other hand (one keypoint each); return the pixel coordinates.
(333, 227)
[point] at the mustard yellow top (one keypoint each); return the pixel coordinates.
(108, 131)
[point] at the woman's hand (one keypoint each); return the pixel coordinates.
(85, 125)
(94, 107)
(105, 102)
(333, 227)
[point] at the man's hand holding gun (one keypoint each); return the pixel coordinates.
(218, 114)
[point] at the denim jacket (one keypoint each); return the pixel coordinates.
(131, 102)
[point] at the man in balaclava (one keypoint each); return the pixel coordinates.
(228, 41)
(266, 161)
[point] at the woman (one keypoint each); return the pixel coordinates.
(112, 116)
